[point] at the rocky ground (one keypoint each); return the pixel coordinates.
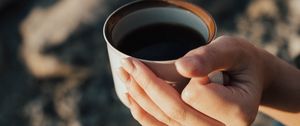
(54, 69)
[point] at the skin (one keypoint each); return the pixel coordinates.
(255, 80)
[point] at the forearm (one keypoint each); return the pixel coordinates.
(281, 98)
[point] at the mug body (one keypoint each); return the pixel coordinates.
(142, 13)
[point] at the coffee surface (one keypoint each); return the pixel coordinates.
(160, 42)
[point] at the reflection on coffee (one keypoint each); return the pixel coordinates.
(161, 41)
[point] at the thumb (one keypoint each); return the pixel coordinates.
(222, 54)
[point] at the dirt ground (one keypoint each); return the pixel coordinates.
(54, 69)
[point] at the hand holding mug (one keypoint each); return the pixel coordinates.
(153, 102)
(150, 34)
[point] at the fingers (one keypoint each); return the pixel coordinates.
(155, 88)
(137, 93)
(222, 54)
(222, 103)
(200, 97)
(165, 96)
(142, 116)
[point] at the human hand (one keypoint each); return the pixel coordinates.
(154, 102)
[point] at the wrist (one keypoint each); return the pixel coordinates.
(280, 98)
(281, 83)
(272, 67)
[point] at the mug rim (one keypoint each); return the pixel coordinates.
(196, 10)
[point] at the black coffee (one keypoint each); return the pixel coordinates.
(161, 42)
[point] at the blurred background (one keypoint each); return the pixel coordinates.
(54, 69)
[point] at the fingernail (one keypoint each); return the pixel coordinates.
(123, 75)
(187, 64)
(127, 65)
(189, 60)
(120, 73)
(129, 99)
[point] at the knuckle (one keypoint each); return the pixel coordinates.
(173, 123)
(136, 92)
(189, 95)
(138, 115)
(166, 120)
(177, 113)
(136, 73)
(147, 84)
(141, 79)
(131, 80)
(128, 79)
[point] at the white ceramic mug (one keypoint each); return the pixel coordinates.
(141, 13)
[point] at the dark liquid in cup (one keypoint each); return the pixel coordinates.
(161, 41)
